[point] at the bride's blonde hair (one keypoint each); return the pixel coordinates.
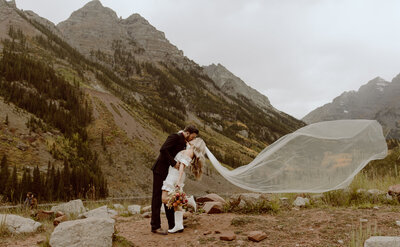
(199, 150)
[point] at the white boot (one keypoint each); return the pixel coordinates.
(192, 203)
(178, 222)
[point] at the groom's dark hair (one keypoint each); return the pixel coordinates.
(191, 129)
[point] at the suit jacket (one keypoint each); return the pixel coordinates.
(174, 144)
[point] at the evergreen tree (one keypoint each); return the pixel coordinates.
(4, 173)
(36, 183)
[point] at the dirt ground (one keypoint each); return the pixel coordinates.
(294, 228)
(307, 227)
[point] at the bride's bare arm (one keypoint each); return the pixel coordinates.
(181, 168)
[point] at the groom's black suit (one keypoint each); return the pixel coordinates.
(174, 144)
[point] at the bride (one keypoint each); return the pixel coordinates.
(192, 157)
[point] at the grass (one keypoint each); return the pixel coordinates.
(362, 233)
(119, 241)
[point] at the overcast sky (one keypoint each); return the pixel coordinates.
(299, 53)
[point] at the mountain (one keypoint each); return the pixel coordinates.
(96, 22)
(101, 94)
(234, 86)
(378, 99)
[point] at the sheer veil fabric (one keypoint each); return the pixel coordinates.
(317, 158)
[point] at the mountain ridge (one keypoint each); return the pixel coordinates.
(377, 99)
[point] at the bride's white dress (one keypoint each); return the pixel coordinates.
(171, 181)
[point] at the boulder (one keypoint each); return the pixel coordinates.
(147, 209)
(59, 213)
(211, 198)
(119, 206)
(257, 236)
(60, 219)
(100, 212)
(134, 209)
(146, 215)
(375, 192)
(227, 236)
(213, 207)
(301, 202)
(186, 215)
(85, 232)
(71, 207)
(17, 224)
(253, 198)
(317, 197)
(378, 241)
(394, 191)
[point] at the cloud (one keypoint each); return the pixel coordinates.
(301, 54)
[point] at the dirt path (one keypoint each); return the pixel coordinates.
(309, 227)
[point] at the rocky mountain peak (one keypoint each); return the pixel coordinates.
(377, 83)
(234, 86)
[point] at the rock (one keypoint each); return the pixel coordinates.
(59, 213)
(213, 207)
(134, 209)
(147, 209)
(317, 197)
(187, 215)
(363, 220)
(217, 232)
(301, 202)
(242, 204)
(100, 212)
(71, 207)
(206, 232)
(398, 222)
(244, 133)
(394, 191)
(146, 215)
(389, 197)
(17, 224)
(112, 212)
(211, 198)
(361, 191)
(375, 192)
(85, 232)
(60, 219)
(44, 215)
(257, 236)
(227, 236)
(250, 198)
(378, 241)
(119, 206)
(340, 241)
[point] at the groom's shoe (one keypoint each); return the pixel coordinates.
(160, 231)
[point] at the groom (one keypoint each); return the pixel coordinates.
(175, 142)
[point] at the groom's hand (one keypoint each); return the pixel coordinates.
(176, 166)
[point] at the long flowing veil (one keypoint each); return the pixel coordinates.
(316, 158)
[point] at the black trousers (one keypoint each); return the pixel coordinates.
(156, 204)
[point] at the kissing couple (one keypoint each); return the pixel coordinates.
(180, 150)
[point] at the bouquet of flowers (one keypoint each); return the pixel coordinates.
(177, 198)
